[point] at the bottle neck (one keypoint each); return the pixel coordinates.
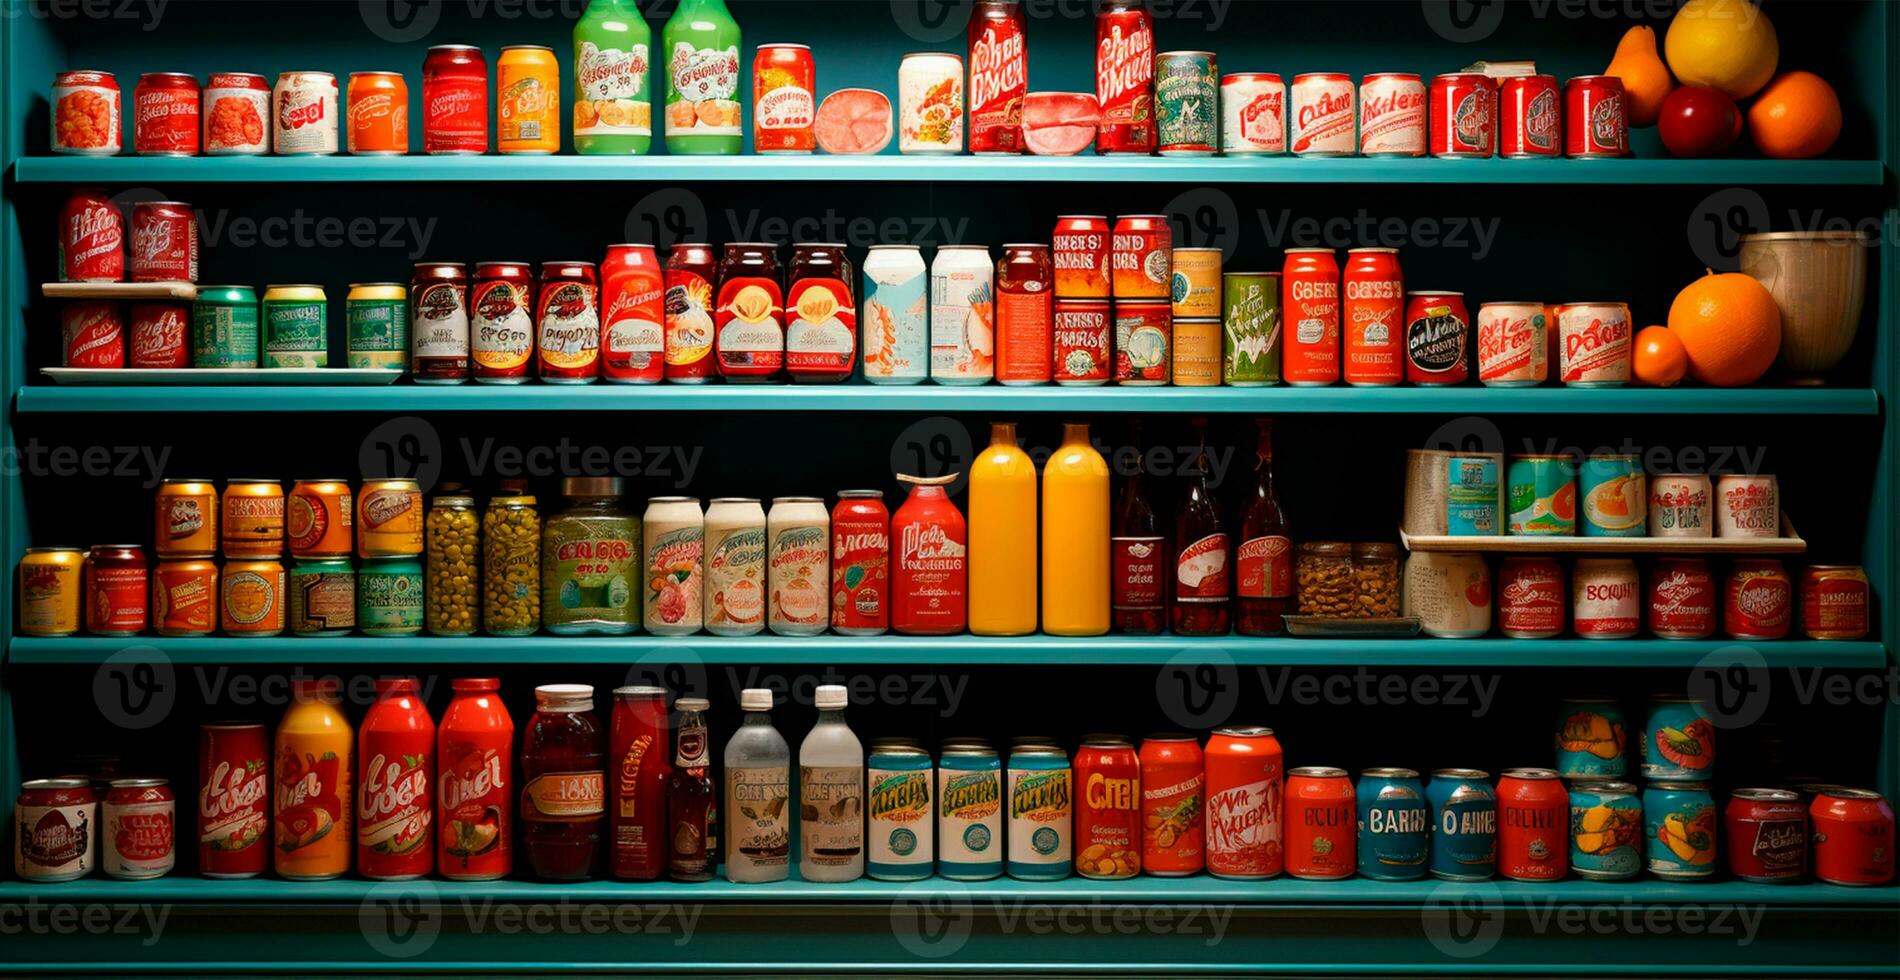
(832, 716)
(1075, 434)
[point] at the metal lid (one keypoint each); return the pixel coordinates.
(142, 782)
(692, 704)
(673, 500)
(1767, 795)
(1317, 772)
(564, 697)
(1170, 737)
(1531, 774)
(1605, 786)
(860, 495)
(797, 500)
(590, 486)
(63, 782)
(1244, 731)
(1461, 774)
(638, 691)
(1388, 772)
(1848, 793)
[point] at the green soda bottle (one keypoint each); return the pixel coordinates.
(613, 80)
(703, 105)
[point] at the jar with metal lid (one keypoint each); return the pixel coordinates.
(511, 562)
(590, 561)
(1325, 583)
(451, 575)
(1375, 572)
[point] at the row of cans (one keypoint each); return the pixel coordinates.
(1606, 495)
(232, 327)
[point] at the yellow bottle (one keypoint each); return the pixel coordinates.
(312, 782)
(1002, 528)
(1075, 537)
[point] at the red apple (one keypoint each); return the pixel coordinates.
(1698, 122)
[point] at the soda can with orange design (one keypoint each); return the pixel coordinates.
(378, 114)
(1321, 836)
(253, 598)
(185, 597)
(1108, 841)
(1173, 801)
(187, 519)
(319, 519)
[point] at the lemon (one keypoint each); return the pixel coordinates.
(1723, 44)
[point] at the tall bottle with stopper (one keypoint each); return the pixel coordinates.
(1263, 564)
(831, 794)
(691, 796)
(758, 789)
(1138, 556)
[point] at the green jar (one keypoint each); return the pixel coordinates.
(224, 327)
(590, 562)
(322, 597)
(389, 596)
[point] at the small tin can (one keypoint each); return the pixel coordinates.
(1605, 598)
(91, 243)
(1372, 317)
(1615, 495)
(85, 114)
(1530, 117)
(51, 584)
(116, 590)
(1173, 804)
(296, 321)
(1082, 250)
(1596, 117)
(1080, 338)
(1108, 808)
(304, 115)
(1853, 837)
(969, 813)
(1187, 103)
(376, 315)
(1680, 824)
(164, 243)
(1321, 839)
(165, 115)
(389, 597)
(1542, 491)
(252, 598)
(1437, 329)
(1394, 825)
(1591, 739)
(1197, 353)
(1464, 824)
(318, 519)
(1140, 253)
(139, 836)
(1392, 115)
(1195, 287)
(237, 114)
(1513, 344)
(1143, 337)
(1834, 602)
(1471, 499)
(1531, 597)
(1758, 601)
(1679, 506)
(1533, 826)
(902, 840)
(1747, 505)
(159, 336)
(1594, 344)
(1678, 740)
(1245, 809)
(1250, 328)
(1767, 831)
(186, 518)
(92, 335)
(224, 327)
(1464, 115)
(322, 597)
(1323, 122)
(56, 826)
(1040, 802)
(389, 519)
(378, 113)
(1449, 591)
(1606, 826)
(1681, 599)
(1253, 114)
(185, 597)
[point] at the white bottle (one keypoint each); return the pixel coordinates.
(831, 794)
(758, 789)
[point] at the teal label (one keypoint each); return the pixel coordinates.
(1471, 504)
(1678, 742)
(389, 601)
(378, 333)
(294, 334)
(1679, 822)
(223, 336)
(1186, 98)
(1605, 831)
(1590, 740)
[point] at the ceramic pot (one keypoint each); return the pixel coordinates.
(1819, 280)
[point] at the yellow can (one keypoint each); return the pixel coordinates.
(527, 100)
(49, 591)
(253, 598)
(1197, 352)
(389, 519)
(377, 315)
(253, 519)
(1196, 285)
(187, 519)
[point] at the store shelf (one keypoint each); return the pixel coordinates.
(857, 397)
(119, 290)
(897, 651)
(892, 168)
(1791, 543)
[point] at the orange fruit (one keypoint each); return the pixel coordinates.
(1660, 359)
(1729, 326)
(1797, 116)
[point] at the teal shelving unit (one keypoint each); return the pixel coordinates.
(1634, 228)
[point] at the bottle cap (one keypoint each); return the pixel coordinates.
(692, 704)
(831, 697)
(564, 697)
(755, 699)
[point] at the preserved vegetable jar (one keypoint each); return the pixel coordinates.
(511, 562)
(452, 573)
(563, 791)
(590, 556)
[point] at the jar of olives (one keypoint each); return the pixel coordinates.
(590, 558)
(450, 570)
(511, 562)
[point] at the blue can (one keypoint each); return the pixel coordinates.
(389, 596)
(1040, 813)
(1591, 739)
(901, 845)
(1678, 740)
(1394, 825)
(1472, 499)
(1464, 824)
(1615, 496)
(1606, 822)
(1679, 823)
(970, 813)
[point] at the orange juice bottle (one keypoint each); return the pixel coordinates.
(1002, 528)
(1075, 537)
(312, 779)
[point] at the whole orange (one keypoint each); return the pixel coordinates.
(1660, 358)
(1729, 326)
(1797, 116)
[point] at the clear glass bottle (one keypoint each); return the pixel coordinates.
(758, 791)
(691, 797)
(831, 794)
(590, 559)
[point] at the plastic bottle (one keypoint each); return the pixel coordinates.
(1002, 528)
(831, 794)
(1075, 532)
(758, 789)
(703, 103)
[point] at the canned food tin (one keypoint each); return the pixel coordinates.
(165, 115)
(1250, 328)
(1513, 340)
(1253, 114)
(1606, 824)
(1080, 338)
(389, 519)
(1186, 103)
(185, 597)
(50, 590)
(1142, 339)
(389, 597)
(1173, 803)
(1197, 352)
(1679, 506)
(1108, 808)
(1834, 602)
(1040, 804)
(1681, 599)
(187, 519)
(1533, 826)
(1437, 328)
(1082, 250)
(1322, 120)
(92, 335)
(1678, 740)
(159, 336)
(304, 120)
(85, 113)
(501, 330)
(1758, 603)
(57, 830)
(322, 597)
(1394, 825)
(237, 114)
(1530, 117)
(1464, 824)
(1139, 255)
(1591, 739)
(1450, 593)
(1542, 491)
(1853, 837)
(1747, 505)
(224, 327)
(252, 598)
(1321, 839)
(1464, 115)
(139, 833)
(1615, 496)
(1244, 804)
(1531, 598)
(902, 821)
(1594, 344)
(1605, 598)
(1195, 287)
(1391, 115)
(91, 241)
(1767, 831)
(252, 523)
(296, 321)
(377, 319)
(1680, 824)
(116, 577)
(1309, 301)
(1471, 496)
(969, 814)
(318, 519)
(1596, 117)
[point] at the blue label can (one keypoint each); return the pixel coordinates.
(1679, 824)
(1678, 740)
(970, 813)
(1615, 496)
(1394, 825)
(1472, 499)
(1464, 824)
(1591, 739)
(1040, 813)
(1606, 826)
(1542, 494)
(901, 845)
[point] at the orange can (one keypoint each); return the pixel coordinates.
(317, 519)
(527, 100)
(389, 519)
(1195, 286)
(1140, 257)
(187, 520)
(378, 113)
(185, 597)
(49, 591)
(1081, 256)
(1309, 311)
(253, 598)
(253, 522)
(1173, 831)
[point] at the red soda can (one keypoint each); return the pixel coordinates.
(1124, 77)
(639, 764)
(501, 322)
(1533, 825)
(475, 803)
(1079, 341)
(118, 590)
(999, 76)
(454, 100)
(1436, 338)
(164, 242)
(1531, 598)
(91, 238)
(236, 114)
(1374, 310)
(691, 271)
(1853, 837)
(395, 796)
(1464, 115)
(1025, 312)
(1108, 808)
(165, 115)
(160, 335)
(1596, 117)
(784, 102)
(632, 315)
(1758, 602)
(1530, 117)
(1681, 599)
(1082, 248)
(234, 799)
(860, 564)
(1321, 824)
(1767, 835)
(1309, 308)
(1244, 804)
(93, 335)
(1141, 257)
(1173, 806)
(567, 323)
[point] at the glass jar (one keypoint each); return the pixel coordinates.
(590, 561)
(511, 563)
(563, 793)
(1375, 572)
(450, 571)
(1325, 573)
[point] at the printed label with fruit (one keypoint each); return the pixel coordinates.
(610, 97)
(735, 572)
(673, 579)
(700, 90)
(798, 584)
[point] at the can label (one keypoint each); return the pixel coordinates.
(1081, 342)
(1604, 831)
(378, 332)
(1243, 828)
(1141, 343)
(1590, 740)
(294, 334)
(1394, 830)
(568, 334)
(970, 820)
(1465, 832)
(821, 337)
(1251, 330)
(223, 335)
(689, 318)
(902, 834)
(860, 574)
(1596, 344)
(1039, 822)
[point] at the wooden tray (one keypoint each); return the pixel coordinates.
(1333, 627)
(1790, 543)
(119, 290)
(120, 377)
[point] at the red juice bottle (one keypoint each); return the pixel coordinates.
(1138, 557)
(474, 806)
(1263, 564)
(929, 561)
(691, 812)
(640, 769)
(563, 793)
(1202, 556)
(395, 796)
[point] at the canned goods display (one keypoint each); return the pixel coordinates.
(1197, 352)
(92, 238)
(1373, 317)
(56, 826)
(1437, 338)
(1245, 804)
(1853, 837)
(1531, 598)
(1195, 287)
(1530, 117)
(527, 100)
(186, 524)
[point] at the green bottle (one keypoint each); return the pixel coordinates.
(703, 104)
(613, 80)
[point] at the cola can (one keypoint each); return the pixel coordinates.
(165, 115)
(1596, 117)
(1392, 115)
(1682, 599)
(1530, 117)
(164, 242)
(1464, 115)
(1322, 120)
(91, 238)
(92, 334)
(160, 335)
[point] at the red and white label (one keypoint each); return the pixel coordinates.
(1605, 600)
(140, 838)
(1596, 343)
(160, 336)
(1323, 117)
(1244, 829)
(1511, 343)
(1264, 568)
(94, 335)
(1392, 115)
(1200, 572)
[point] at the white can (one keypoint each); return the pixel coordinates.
(1040, 797)
(1606, 598)
(1392, 115)
(1322, 121)
(969, 814)
(1595, 342)
(734, 557)
(930, 103)
(1747, 506)
(1253, 114)
(673, 532)
(1449, 592)
(55, 842)
(962, 316)
(1679, 506)
(140, 840)
(85, 114)
(899, 809)
(236, 114)
(798, 566)
(1513, 344)
(303, 120)
(896, 315)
